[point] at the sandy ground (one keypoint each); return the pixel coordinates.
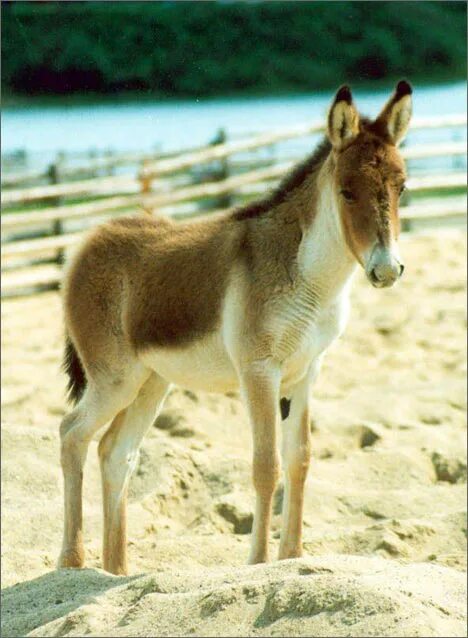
(385, 507)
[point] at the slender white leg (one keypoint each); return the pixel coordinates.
(260, 389)
(296, 450)
(118, 454)
(99, 404)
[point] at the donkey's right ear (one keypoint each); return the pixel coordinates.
(343, 119)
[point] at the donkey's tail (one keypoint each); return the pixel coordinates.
(76, 374)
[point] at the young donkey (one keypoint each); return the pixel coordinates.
(247, 300)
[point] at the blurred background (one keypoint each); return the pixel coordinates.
(97, 94)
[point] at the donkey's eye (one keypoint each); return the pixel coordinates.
(348, 195)
(402, 189)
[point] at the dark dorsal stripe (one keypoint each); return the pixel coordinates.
(285, 406)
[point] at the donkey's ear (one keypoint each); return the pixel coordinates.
(396, 114)
(343, 119)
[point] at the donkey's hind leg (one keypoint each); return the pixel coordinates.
(118, 454)
(100, 403)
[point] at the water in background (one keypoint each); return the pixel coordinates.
(169, 125)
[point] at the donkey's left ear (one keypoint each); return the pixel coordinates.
(396, 114)
(343, 119)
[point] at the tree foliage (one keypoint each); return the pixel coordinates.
(215, 48)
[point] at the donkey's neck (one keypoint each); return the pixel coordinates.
(325, 263)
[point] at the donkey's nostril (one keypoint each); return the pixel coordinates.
(384, 275)
(402, 269)
(384, 267)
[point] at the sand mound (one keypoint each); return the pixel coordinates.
(385, 516)
(326, 596)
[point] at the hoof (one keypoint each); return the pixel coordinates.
(119, 570)
(290, 553)
(257, 560)
(72, 558)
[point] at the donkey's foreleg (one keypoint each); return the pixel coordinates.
(260, 389)
(118, 454)
(296, 451)
(100, 403)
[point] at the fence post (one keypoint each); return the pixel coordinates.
(110, 168)
(93, 160)
(54, 178)
(222, 172)
(145, 180)
(457, 160)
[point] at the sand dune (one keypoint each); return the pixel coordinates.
(385, 521)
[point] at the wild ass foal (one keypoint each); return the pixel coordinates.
(247, 300)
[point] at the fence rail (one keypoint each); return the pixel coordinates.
(213, 177)
(439, 208)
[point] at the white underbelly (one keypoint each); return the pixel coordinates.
(201, 365)
(206, 365)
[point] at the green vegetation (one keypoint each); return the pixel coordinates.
(216, 48)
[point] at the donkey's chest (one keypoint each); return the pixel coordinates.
(303, 333)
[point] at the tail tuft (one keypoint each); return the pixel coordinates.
(76, 374)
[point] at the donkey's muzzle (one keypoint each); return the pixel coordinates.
(384, 268)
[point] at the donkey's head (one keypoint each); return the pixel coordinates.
(368, 178)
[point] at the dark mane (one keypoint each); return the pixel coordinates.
(289, 183)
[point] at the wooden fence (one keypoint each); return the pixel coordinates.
(41, 222)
